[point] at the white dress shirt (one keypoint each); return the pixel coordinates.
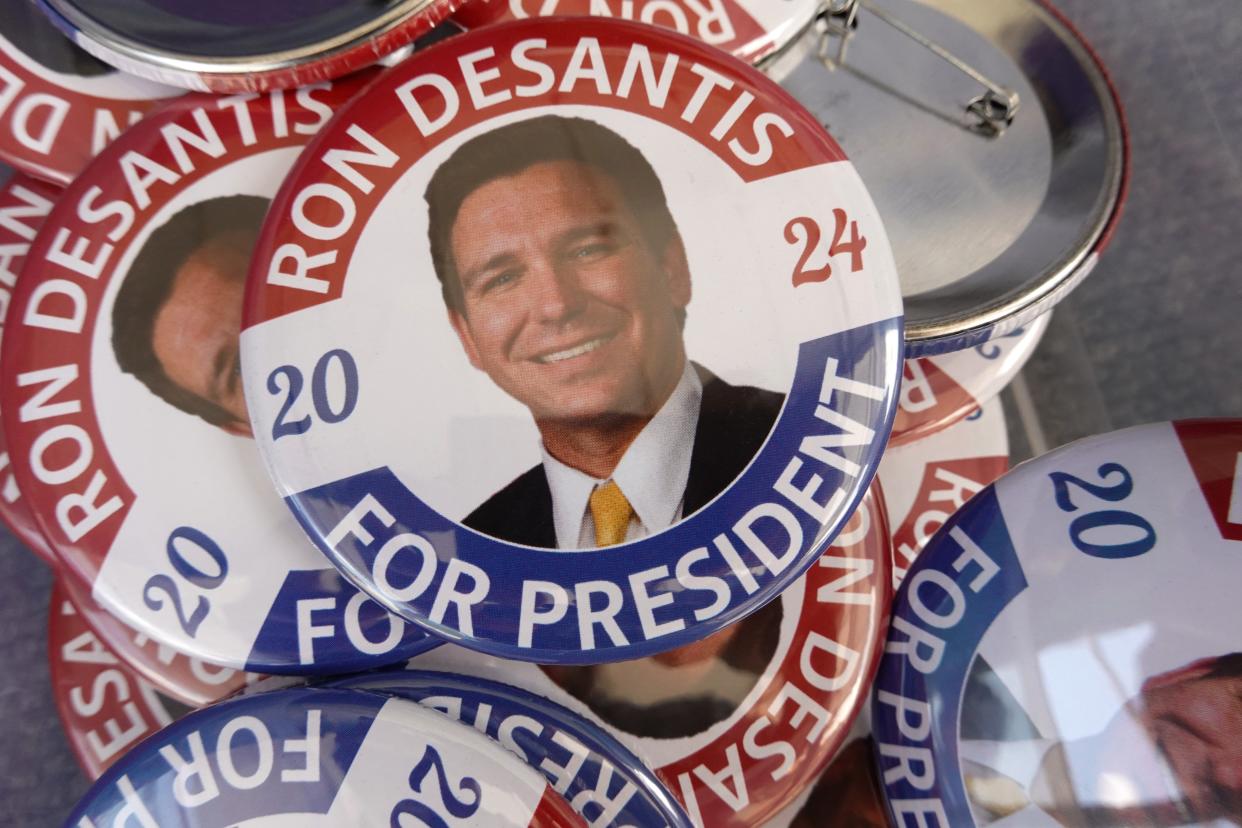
(652, 473)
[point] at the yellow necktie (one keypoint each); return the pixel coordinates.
(611, 513)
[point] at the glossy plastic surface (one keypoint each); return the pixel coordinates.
(938, 391)
(750, 30)
(924, 483)
(771, 698)
(600, 778)
(928, 480)
(137, 463)
(189, 681)
(413, 471)
(60, 106)
(234, 45)
(322, 758)
(1065, 651)
(105, 707)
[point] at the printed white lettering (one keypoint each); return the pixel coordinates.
(58, 293)
(353, 628)
(308, 631)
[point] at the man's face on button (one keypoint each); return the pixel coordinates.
(195, 336)
(1196, 721)
(566, 305)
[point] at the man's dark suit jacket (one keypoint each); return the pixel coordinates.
(734, 422)
(989, 710)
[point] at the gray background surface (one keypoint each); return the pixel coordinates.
(1155, 333)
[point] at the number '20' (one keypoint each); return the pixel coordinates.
(1103, 533)
(201, 550)
(327, 409)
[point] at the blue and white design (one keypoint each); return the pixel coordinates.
(600, 778)
(1034, 623)
(313, 757)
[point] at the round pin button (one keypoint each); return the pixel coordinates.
(938, 391)
(1065, 650)
(928, 480)
(104, 706)
(127, 428)
(751, 30)
(58, 105)
(25, 204)
(612, 363)
(759, 707)
(325, 758)
(601, 779)
(235, 46)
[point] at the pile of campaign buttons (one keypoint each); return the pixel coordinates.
(1065, 650)
(577, 352)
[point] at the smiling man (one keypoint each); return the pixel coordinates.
(177, 316)
(566, 281)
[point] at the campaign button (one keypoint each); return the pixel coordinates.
(737, 725)
(601, 779)
(938, 391)
(751, 30)
(928, 480)
(321, 757)
(1065, 649)
(24, 206)
(578, 346)
(127, 429)
(105, 707)
(239, 46)
(58, 105)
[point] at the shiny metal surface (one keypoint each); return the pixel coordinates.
(115, 47)
(988, 232)
(994, 109)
